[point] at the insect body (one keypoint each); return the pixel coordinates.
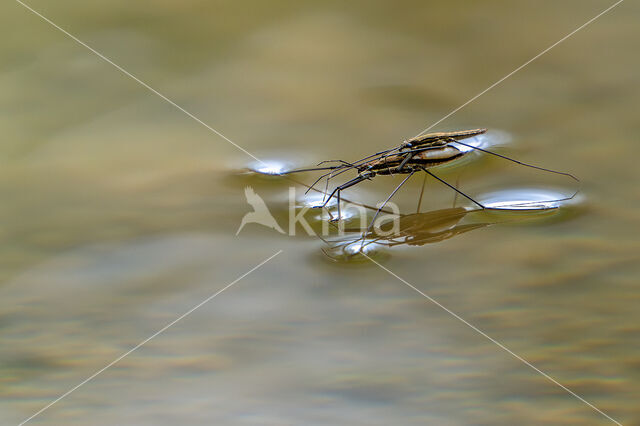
(413, 155)
(408, 161)
(419, 153)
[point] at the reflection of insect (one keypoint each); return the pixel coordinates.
(415, 229)
(416, 154)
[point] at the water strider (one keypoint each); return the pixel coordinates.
(414, 229)
(414, 155)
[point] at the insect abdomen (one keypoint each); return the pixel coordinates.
(433, 157)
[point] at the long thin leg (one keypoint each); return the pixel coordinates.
(518, 162)
(454, 188)
(311, 169)
(386, 151)
(338, 189)
(341, 170)
(386, 201)
(326, 187)
(345, 163)
(355, 164)
(338, 170)
(331, 175)
(531, 166)
(455, 197)
(316, 181)
(424, 182)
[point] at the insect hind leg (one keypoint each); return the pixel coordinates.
(543, 169)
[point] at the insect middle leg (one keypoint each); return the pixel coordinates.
(424, 182)
(386, 201)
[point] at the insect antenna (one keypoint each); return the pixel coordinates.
(345, 167)
(331, 175)
(314, 169)
(355, 164)
(386, 151)
(316, 181)
(424, 182)
(335, 161)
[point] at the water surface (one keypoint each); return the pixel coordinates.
(119, 214)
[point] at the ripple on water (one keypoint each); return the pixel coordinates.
(526, 204)
(528, 199)
(270, 167)
(484, 141)
(356, 250)
(315, 200)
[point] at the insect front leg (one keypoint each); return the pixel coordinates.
(346, 185)
(404, 162)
